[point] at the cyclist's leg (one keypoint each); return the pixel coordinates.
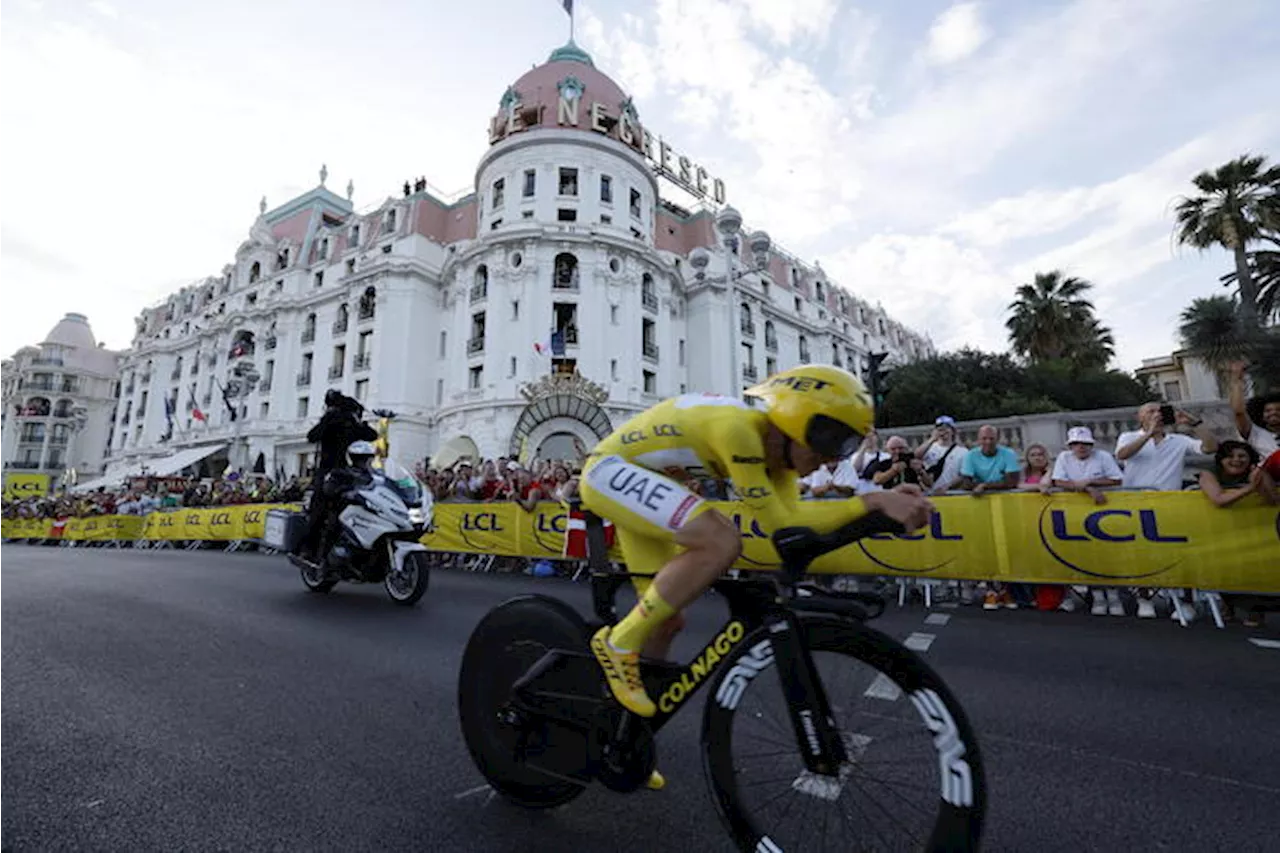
(646, 555)
(647, 503)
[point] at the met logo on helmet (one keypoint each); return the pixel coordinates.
(799, 383)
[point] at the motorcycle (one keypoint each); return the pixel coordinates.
(381, 519)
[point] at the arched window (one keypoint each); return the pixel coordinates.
(822, 294)
(744, 319)
(242, 343)
(389, 224)
(63, 409)
(309, 328)
(36, 407)
(480, 287)
(648, 293)
(566, 272)
(804, 350)
(255, 272)
(770, 336)
(343, 319)
(368, 301)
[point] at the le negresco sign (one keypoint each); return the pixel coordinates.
(621, 124)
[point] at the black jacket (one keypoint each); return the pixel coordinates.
(336, 431)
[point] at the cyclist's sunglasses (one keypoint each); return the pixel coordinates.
(830, 438)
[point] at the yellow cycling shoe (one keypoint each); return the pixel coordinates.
(656, 781)
(622, 671)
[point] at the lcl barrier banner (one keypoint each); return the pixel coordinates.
(25, 485)
(213, 524)
(1165, 539)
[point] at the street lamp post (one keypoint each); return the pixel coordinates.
(240, 384)
(729, 224)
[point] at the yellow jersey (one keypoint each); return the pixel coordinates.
(697, 436)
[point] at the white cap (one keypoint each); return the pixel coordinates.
(1079, 435)
(513, 466)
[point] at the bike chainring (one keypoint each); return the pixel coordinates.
(625, 765)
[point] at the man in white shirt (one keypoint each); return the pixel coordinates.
(1154, 458)
(831, 480)
(1083, 468)
(942, 454)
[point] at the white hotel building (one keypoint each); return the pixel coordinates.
(433, 307)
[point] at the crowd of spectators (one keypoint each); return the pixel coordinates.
(141, 497)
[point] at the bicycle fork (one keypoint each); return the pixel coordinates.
(816, 731)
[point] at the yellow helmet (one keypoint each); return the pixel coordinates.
(823, 407)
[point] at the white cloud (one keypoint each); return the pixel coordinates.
(929, 282)
(103, 8)
(955, 34)
(785, 20)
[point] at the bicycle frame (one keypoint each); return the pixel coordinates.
(760, 614)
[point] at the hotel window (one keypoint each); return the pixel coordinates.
(499, 191)
(565, 214)
(530, 182)
(303, 403)
(362, 389)
(568, 181)
(606, 189)
(635, 203)
(475, 378)
(650, 382)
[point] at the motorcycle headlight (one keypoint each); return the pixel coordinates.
(416, 516)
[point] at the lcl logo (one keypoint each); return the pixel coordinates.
(1112, 543)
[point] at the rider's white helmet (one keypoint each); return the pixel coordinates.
(361, 453)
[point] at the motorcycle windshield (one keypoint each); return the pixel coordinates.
(405, 483)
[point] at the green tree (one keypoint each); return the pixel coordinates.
(1212, 329)
(1264, 265)
(971, 385)
(1052, 319)
(1239, 203)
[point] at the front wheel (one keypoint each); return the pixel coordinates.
(913, 779)
(408, 586)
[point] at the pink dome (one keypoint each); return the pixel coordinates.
(539, 89)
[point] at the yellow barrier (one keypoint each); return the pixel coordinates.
(1175, 539)
(25, 485)
(214, 524)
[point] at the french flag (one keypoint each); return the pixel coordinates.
(575, 535)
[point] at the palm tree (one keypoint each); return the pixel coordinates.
(1213, 330)
(1264, 265)
(1052, 319)
(1239, 202)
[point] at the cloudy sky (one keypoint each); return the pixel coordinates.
(931, 154)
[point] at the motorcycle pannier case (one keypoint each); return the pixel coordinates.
(284, 529)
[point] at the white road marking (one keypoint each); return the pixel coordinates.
(883, 688)
(919, 642)
(1266, 644)
(937, 619)
(470, 791)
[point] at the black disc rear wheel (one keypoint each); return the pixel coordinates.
(508, 641)
(914, 778)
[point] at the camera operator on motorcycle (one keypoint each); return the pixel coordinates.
(339, 428)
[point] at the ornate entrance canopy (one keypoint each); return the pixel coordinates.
(560, 403)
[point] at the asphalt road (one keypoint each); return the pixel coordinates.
(202, 701)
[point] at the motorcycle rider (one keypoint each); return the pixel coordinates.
(358, 472)
(338, 429)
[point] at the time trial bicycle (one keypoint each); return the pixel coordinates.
(838, 751)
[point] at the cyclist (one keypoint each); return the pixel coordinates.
(811, 414)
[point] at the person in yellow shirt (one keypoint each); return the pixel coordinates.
(637, 478)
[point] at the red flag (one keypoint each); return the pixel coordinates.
(198, 415)
(575, 535)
